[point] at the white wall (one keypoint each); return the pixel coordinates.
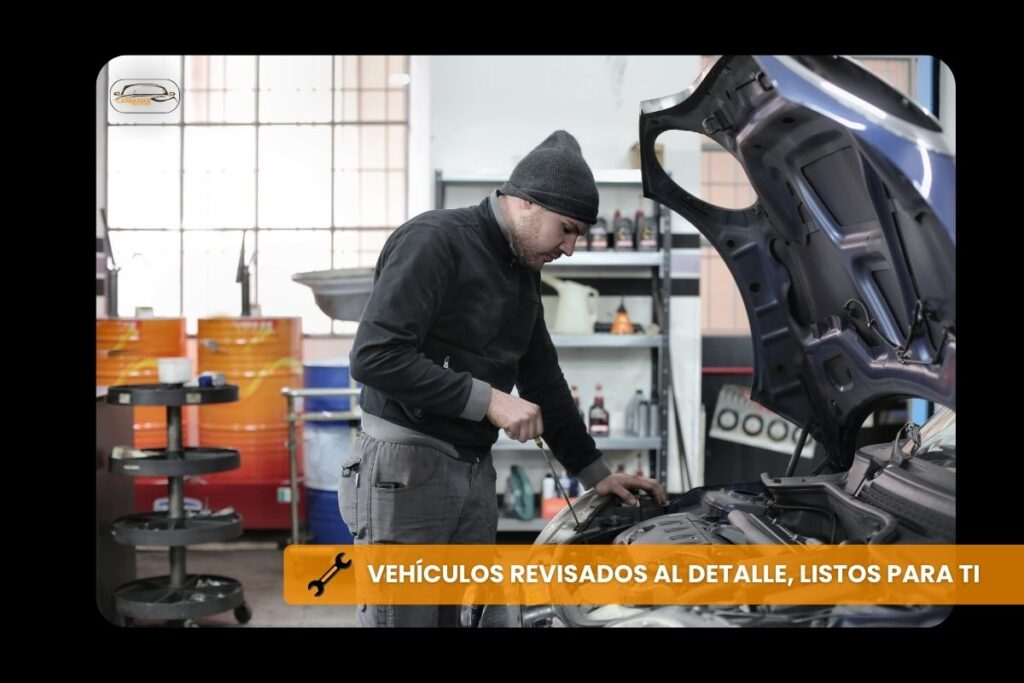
(487, 112)
(421, 174)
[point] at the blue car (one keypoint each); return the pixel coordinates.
(846, 266)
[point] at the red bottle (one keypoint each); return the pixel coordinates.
(599, 416)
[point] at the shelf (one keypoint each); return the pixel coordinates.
(134, 462)
(156, 598)
(170, 395)
(509, 524)
(607, 341)
(176, 596)
(620, 176)
(156, 528)
(338, 417)
(608, 259)
(610, 443)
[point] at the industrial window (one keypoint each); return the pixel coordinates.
(724, 183)
(303, 156)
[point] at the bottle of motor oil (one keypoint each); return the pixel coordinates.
(631, 408)
(525, 505)
(583, 242)
(548, 487)
(646, 234)
(510, 501)
(576, 399)
(574, 489)
(564, 481)
(599, 416)
(643, 419)
(599, 236)
(624, 234)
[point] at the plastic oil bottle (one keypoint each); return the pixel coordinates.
(624, 233)
(599, 236)
(632, 429)
(599, 416)
(576, 399)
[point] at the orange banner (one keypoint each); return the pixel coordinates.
(653, 575)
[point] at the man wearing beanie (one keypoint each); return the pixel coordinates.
(453, 323)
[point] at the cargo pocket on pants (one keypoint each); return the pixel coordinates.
(408, 499)
(348, 489)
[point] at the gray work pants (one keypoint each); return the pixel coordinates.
(415, 494)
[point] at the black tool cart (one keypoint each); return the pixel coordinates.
(179, 597)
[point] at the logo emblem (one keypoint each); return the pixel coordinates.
(145, 96)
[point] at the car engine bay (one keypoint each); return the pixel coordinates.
(889, 495)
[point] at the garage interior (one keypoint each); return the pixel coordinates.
(228, 186)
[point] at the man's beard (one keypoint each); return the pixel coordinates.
(529, 226)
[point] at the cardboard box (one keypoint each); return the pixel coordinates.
(659, 152)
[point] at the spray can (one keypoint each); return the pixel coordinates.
(642, 418)
(632, 428)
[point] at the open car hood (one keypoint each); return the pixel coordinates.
(846, 262)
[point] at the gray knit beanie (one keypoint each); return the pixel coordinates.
(555, 176)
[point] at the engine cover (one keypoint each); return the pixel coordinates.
(681, 528)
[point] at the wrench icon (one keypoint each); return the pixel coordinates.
(339, 563)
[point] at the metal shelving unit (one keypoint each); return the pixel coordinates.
(607, 341)
(178, 597)
(294, 417)
(609, 259)
(606, 443)
(657, 265)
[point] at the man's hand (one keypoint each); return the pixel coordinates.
(621, 484)
(520, 419)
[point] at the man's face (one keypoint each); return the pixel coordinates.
(541, 236)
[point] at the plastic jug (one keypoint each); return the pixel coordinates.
(577, 306)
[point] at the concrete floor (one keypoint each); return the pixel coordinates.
(258, 566)
(256, 561)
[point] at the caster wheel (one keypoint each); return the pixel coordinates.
(243, 613)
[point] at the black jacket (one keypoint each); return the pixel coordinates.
(451, 303)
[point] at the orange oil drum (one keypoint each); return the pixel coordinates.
(262, 356)
(126, 353)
